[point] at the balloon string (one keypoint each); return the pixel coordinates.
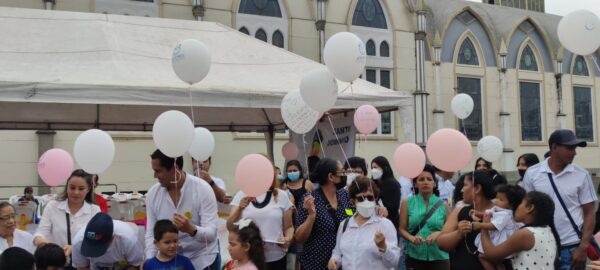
(344, 90)
(596, 62)
(305, 155)
(338, 140)
(462, 124)
(321, 143)
(192, 106)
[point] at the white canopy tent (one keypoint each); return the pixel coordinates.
(75, 71)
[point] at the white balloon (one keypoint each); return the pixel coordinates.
(94, 151)
(173, 133)
(203, 144)
(345, 56)
(579, 32)
(191, 61)
(490, 148)
(296, 114)
(319, 90)
(462, 105)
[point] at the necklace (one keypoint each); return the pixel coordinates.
(264, 203)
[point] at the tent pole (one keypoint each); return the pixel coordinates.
(270, 138)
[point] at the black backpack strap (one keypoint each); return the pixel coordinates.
(427, 216)
(564, 206)
(345, 225)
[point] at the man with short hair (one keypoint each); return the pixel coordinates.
(107, 244)
(190, 203)
(574, 185)
(217, 184)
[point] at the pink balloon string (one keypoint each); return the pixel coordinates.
(338, 139)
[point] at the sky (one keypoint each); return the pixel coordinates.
(563, 7)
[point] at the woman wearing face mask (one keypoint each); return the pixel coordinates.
(382, 173)
(525, 161)
(295, 181)
(365, 241)
(73, 209)
(356, 166)
(423, 217)
(321, 213)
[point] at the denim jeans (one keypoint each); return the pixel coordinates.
(566, 256)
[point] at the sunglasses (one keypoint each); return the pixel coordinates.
(361, 198)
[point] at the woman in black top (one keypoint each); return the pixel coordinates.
(457, 237)
(295, 181)
(382, 173)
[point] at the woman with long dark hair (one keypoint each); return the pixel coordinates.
(423, 217)
(457, 236)
(525, 161)
(70, 212)
(536, 245)
(382, 174)
(321, 213)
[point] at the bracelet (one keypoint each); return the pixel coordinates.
(472, 226)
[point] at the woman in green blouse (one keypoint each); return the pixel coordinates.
(423, 251)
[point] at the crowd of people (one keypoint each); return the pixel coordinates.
(341, 215)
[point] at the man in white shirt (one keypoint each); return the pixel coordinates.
(576, 189)
(190, 203)
(217, 184)
(107, 244)
(445, 185)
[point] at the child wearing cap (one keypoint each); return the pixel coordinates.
(107, 244)
(166, 240)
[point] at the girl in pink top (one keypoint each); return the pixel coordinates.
(246, 247)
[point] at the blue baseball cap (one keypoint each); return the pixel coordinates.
(97, 236)
(565, 137)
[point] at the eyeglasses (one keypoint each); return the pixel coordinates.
(361, 198)
(354, 171)
(7, 218)
(340, 173)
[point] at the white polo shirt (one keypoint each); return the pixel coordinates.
(198, 203)
(124, 251)
(576, 189)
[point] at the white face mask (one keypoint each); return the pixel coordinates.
(350, 177)
(376, 174)
(365, 208)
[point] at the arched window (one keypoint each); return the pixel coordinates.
(528, 61)
(261, 7)
(278, 39)
(371, 47)
(260, 34)
(244, 30)
(467, 55)
(369, 13)
(384, 49)
(580, 68)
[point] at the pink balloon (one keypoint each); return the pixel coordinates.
(254, 175)
(366, 119)
(289, 151)
(409, 160)
(55, 167)
(449, 150)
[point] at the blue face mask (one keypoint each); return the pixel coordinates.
(280, 177)
(293, 176)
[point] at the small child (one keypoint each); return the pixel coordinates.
(245, 247)
(502, 223)
(50, 257)
(166, 240)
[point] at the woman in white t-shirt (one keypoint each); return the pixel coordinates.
(10, 236)
(272, 213)
(75, 204)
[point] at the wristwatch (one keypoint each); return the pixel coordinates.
(212, 183)
(194, 233)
